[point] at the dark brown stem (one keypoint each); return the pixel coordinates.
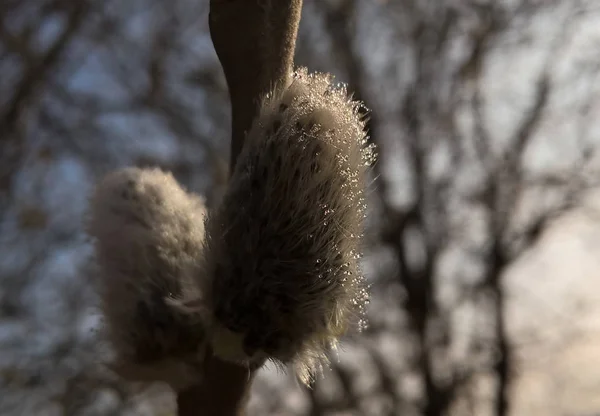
(255, 42)
(223, 390)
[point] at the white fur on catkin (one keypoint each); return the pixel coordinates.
(284, 246)
(149, 235)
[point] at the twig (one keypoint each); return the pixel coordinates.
(255, 42)
(223, 390)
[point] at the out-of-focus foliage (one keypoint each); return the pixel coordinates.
(482, 244)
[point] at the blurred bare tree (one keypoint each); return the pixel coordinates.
(483, 114)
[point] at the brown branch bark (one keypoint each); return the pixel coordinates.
(255, 42)
(224, 390)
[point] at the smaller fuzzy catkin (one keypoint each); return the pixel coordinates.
(149, 235)
(283, 248)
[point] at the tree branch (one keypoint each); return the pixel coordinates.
(223, 390)
(38, 73)
(255, 42)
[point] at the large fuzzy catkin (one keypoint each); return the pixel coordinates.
(284, 246)
(149, 235)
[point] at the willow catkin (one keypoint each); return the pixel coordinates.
(284, 246)
(149, 234)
